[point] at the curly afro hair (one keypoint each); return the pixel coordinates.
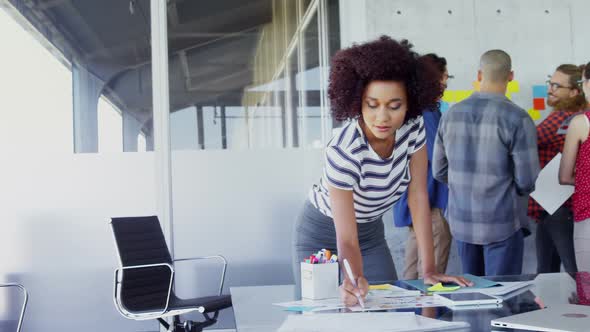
(439, 62)
(384, 59)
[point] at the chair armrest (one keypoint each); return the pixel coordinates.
(219, 257)
(135, 267)
(25, 300)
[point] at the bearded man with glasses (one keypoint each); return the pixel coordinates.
(554, 237)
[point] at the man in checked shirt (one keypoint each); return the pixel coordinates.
(554, 238)
(486, 150)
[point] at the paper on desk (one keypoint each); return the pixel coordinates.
(375, 293)
(387, 290)
(548, 192)
(312, 305)
(372, 303)
(390, 303)
(377, 322)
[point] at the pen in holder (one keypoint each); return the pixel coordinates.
(319, 277)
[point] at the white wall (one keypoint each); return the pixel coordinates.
(538, 34)
(240, 204)
(55, 235)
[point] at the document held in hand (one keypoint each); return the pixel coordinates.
(548, 192)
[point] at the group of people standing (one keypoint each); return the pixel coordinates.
(474, 166)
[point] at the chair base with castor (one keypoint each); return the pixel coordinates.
(188, 325)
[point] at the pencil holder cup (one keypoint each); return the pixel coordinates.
(319, 281)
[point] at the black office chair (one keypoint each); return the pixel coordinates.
(144, 281)
(23, 306)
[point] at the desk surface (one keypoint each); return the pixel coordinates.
(254, 311)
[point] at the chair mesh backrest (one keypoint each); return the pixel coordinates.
(140, 241)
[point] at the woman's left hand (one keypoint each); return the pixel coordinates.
(435, 278)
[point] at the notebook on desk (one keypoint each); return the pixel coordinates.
(478, 282)
(557, 318)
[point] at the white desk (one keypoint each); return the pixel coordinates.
(254, 311)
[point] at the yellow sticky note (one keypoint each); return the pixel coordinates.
(462, 94)
(449, 96)
(440, 288)
(380, 287)
(513, 86)
(535, 115)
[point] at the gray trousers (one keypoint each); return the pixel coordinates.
(555, 242)
(314, 231)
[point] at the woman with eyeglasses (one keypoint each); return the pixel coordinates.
(575, 170)
(380, 88)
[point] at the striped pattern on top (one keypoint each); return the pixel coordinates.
(352, 164)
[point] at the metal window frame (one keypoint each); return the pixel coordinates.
(324, 74)
(318, 7)
(161, 123)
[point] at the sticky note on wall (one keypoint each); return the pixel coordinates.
(449, 96)
(539, 104)
(455, 96)
(462, 94)
(539, 91)
(513, 86)
(534, 114)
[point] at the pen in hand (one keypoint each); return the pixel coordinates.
(353, 281)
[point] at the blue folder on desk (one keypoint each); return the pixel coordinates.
(478, 283)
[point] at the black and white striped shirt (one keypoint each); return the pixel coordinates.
(376, 183)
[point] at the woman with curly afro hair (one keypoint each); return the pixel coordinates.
(381, 88)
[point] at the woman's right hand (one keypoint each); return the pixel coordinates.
(348, 292)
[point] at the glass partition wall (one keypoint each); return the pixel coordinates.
(247, 74)
(248, 117)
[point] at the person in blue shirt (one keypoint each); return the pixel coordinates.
(437, 194)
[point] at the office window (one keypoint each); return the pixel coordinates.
(110, 127)
(308, 85)
(251, 73)
(36, 90)
(291, 19)
(185, 137)
(110, 64)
